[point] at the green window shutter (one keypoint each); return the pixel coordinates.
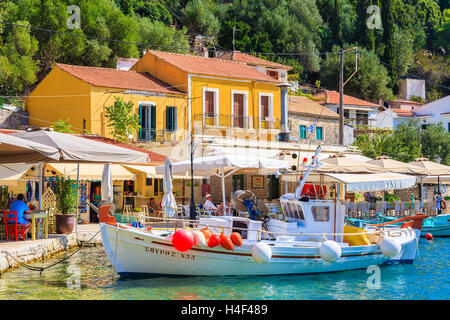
(140, 122)
(168, 118)
(153, 123)
(302, 132)
(175, 123)
(319, 133)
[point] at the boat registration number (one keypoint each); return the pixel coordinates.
(170, 253)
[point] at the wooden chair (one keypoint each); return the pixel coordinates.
(127, 209)
(13, 229)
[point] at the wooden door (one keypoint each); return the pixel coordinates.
(238, 112)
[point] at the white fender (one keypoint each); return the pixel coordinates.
(261, 252)
(390, 247)
(199, 238)
(330, 251)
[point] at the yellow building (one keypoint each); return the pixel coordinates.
(81, 94)
(225, 97)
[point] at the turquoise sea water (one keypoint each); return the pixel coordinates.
(87, 275)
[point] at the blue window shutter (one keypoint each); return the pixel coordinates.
(319, 133)
(302, 132)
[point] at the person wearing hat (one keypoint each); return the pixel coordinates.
(209, 205)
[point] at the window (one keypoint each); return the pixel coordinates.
(319, 133)
(321, 214)
(273, 74)
(147, 116)
(148, 181)
(84, 126)
(294, 210)
(238, 182)
(346, 113)
(265, 110)
(171, 118)
(362, 118)
(302, 132)
(448, 126)
(424, 126)
(158, 186)
(239, 108)
(210, 106)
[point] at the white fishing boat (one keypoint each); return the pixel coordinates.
(287, 247)
(311, 238)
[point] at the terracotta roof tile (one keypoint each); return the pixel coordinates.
(154, 157)
(247, 58)
(307, 106)
(113, 78)
(212, 66)
(332, 97)
(403, 112)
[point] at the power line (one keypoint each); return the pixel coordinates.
(94, 37)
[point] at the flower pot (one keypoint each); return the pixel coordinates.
(64, 223)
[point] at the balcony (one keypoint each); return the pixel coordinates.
(158, 135)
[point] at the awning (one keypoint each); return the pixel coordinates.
(14, 171)
(91, 171)
(362, 182)
(150, 171)
(434, 179)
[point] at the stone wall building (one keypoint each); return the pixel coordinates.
(10, 119)
(304, 112)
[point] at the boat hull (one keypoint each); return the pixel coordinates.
(136, 252)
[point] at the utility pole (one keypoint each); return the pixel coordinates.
(341, 89)
(341, 98)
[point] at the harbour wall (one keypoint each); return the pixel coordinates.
(38, 250)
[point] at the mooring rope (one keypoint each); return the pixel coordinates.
(41, 269)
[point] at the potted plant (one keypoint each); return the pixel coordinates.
(65, 204)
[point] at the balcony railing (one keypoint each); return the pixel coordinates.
(237, 121)
(159, 135)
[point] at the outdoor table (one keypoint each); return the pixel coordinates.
(39, 221)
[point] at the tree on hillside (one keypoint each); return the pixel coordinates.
(199, 18)
(122, 120)
(442, 32)
(435, 141)
(18, 68)
(370, 82)
(402, 144)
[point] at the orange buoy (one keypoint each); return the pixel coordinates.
(236, 239)
(429, 236)
(206, 232)
(213, 241)
(183, 240)
(225, 242)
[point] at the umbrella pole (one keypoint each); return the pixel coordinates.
(439, 196)
(41, 183)
(223, 192)
(78, 195)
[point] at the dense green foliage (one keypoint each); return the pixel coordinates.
(413, 37)
(122, 120)
(403, 143)
(65, 196)
(63, 126)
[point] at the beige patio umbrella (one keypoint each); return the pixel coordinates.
(338, 163)
(17, 150)
(432, 168)
(395, 166)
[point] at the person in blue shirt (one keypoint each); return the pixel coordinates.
(21, 208)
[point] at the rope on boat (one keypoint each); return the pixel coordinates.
(375, 232)
(41, 269)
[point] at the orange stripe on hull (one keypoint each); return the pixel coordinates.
(274, 256)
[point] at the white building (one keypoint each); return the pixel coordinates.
(435, 112)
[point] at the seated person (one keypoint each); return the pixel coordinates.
(154, 206)
(21, 208)
(209, 206)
